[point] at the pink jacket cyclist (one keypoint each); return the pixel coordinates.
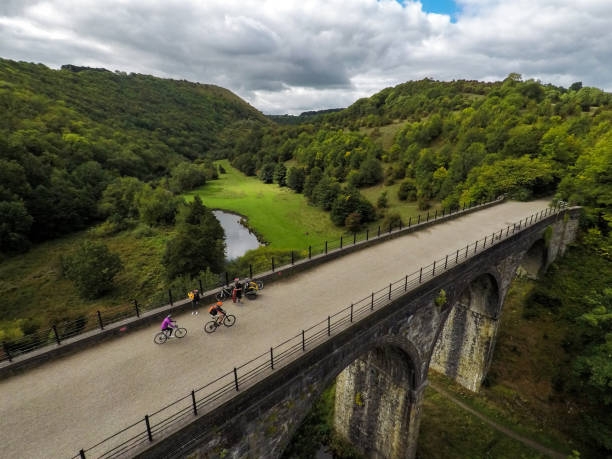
(168, 323)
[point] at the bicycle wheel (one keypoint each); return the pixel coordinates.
(259, 284)
(219, 296)
(251, 295)
(180, 332)
(160, 338)
(210, 327)
(229, 320)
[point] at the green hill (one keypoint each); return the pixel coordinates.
(65, 134)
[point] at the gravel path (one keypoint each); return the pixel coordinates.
(72, 403)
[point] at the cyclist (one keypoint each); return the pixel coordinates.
(168, 324)
(217, 312)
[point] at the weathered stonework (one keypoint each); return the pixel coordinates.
(382, 361)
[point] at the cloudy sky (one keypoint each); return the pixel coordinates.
(286, 56)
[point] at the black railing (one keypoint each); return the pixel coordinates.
(97, 320)
(152, 427)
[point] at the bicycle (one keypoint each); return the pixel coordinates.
(225, 292)
(228, 320)
(162, 336)
(251, 288)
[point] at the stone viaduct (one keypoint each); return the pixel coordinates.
(380, 362)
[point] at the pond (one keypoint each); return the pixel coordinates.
(238, 239)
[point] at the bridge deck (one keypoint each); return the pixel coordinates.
(72, 403)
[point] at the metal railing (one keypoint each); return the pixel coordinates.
(98, 320)
(203, 399)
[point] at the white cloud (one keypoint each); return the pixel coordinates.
(289, 56)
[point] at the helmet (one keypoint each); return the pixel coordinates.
(219, 303)
(236, 279)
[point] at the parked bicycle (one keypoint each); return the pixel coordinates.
(228, 320)
(164, 335)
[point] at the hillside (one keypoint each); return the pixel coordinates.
(65, 134)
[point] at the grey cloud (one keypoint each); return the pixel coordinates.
(312, 54)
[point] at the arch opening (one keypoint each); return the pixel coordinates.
(534, 261)
(464, 347)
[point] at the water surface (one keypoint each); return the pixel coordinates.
(238, 239)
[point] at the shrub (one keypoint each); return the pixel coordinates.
(92, 267)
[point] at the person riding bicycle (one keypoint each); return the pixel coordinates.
(168, 324)
(217, 312)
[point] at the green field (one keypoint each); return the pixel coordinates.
(283, 218)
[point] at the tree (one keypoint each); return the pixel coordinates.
(382, 200)
(266, 173)
(15, 223)
(353, 221)
(187, 176)
(280, 174)
(407, 190)
(118, 201)
(198, 244)
(157, 206)
(92, 267)
(295, 178)
(311, 181)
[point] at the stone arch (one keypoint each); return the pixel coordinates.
(465, 341)
(377, 401)
(535, 260)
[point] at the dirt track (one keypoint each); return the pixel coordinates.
(72, 403)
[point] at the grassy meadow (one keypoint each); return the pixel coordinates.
(282, 217)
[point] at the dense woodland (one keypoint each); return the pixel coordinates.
(68, 135)
(81, 146)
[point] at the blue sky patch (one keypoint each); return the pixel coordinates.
(439, 6)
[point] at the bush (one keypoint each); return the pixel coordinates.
(407, 190)
(92, 267)
(353, 221)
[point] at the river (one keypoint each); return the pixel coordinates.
(238, 239)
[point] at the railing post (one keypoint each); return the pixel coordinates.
(303, 341)
(372, 304)
(367, 234)
(443, 211)
(328, 326)
(354, 238)
(427, 215)
(409, 221)
(389, 292)
(100, 320)
(484, 245)
(466, 250)
(271, 358)
(475, 247)
(82, 454)
(148, 428)
(436, 216)
(340, 241)
(170, 297)
(390, 227)
(406, 283)
(351, 312)
(400, 224)
(507, 230)
(433, 270)
(531, 219)
(272, 264)
(236, 379)
(325, 247)
(57, 338)
(292, 258)
(419, 221)
(464, 206)
(7, 352)
(250, 271)
(310, 252)
(457, 257)
(446, 262)
(420, 275)
(378, 230)
(136, 308)
(193, 401)
(201, 287)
